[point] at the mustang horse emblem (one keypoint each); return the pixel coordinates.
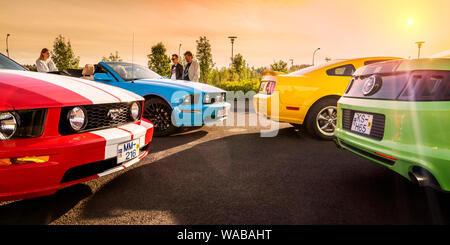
(114, 113)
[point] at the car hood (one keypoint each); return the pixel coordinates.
(194, 87)
(6, 107)
(32, 90)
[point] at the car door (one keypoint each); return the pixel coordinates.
(104, 75)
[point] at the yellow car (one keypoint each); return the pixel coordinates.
(308, 96)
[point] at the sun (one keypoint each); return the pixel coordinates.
(409, 21)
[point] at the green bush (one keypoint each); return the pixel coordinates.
(244, 85)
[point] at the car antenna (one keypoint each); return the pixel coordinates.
(132, 59)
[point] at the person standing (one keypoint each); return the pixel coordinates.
(192, 69)
(177, 69)
(44, 63)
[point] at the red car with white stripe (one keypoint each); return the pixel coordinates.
(56, 131)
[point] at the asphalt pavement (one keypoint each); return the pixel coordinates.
(232, 175)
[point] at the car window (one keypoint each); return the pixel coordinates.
(128, 71)
(344, 70)
(7, 63)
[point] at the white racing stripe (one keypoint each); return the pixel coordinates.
(96, 92)
(123, 166)
(118, 168)
(93, 94)
(122, 94)
(113, 136)
(146, 124)
(138, 132)
(122, 134)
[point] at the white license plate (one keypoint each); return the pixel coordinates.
(362, 123)
(127, 151)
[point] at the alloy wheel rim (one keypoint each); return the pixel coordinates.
(326, 120)
(159, 114)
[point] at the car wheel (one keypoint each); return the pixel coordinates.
(157, 111)
(322, 118)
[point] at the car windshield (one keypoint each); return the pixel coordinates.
(129, 71)
(7, 63)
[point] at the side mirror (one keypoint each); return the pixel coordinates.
(104, 77)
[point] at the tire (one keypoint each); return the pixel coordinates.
(158, 112)
(322, 118)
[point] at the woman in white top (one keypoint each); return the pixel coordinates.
(44, 63)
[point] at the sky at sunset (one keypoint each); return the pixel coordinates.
(266, 30)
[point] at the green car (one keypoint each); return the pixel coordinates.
(397, 114)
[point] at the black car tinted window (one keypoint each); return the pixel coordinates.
(344, 70)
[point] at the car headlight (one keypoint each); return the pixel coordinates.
(77, 118)
(220, 97)
(191, 99)
(187, 99)
(211, 98)
(8, 125)
(135, 111)
(207, 99)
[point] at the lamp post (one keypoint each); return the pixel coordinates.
(232, 38)
(292, 63)
(179, 49)
(7, 50)
(314, 54)
(419, 45)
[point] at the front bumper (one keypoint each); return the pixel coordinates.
(73, 159)
(408, 140)
(197, 115)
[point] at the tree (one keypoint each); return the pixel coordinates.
(260, 70)
(298, 67)
(62, 54)
(31, 67)
(279, 66)
(238, 65)
(158, 60)
(204, 58)
(112, 57)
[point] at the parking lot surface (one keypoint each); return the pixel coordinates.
(232, 175)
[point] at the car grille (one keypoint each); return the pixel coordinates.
(378, 123)
(98, 117)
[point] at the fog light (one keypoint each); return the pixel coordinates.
(21, 160)
(5, 162)
(39, 159)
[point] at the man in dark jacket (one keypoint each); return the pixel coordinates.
(177, 69)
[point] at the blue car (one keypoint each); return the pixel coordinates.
(169, 104)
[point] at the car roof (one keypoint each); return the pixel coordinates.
(405, 65)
